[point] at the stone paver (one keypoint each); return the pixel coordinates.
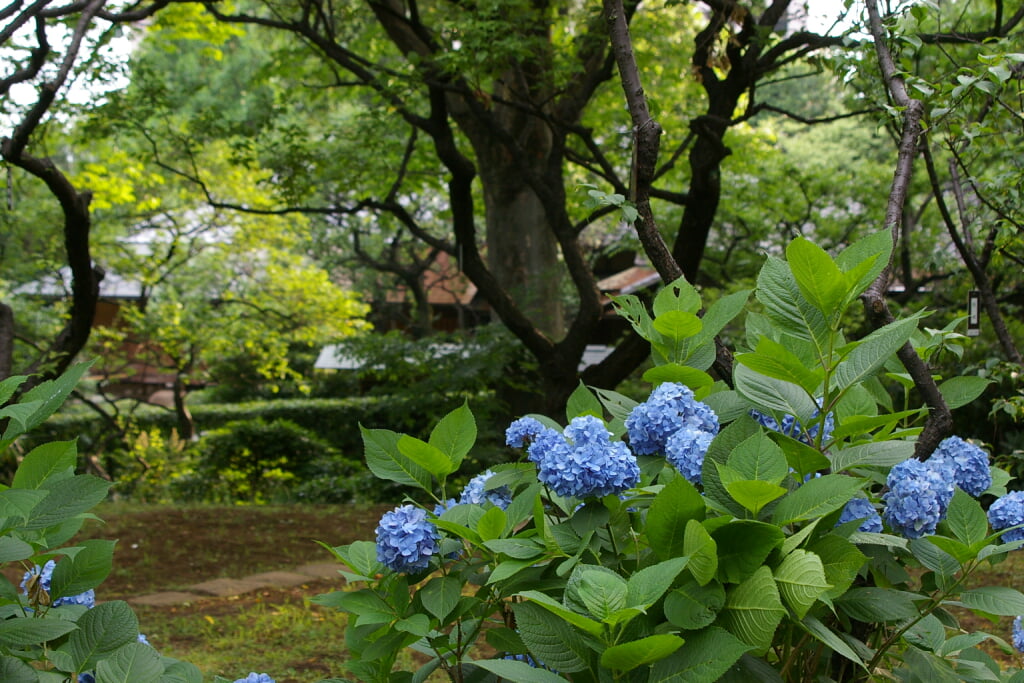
(165, 598)
(223, 588)
(320, 570)
(279, 579)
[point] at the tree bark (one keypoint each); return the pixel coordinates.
(6, 341)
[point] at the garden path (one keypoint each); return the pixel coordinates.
(227, 587)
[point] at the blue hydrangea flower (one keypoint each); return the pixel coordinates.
(256, 678)
(1006, 512)
(86, 678)
(862, 509)
(791, 427)
(1018, 634)
(593, 466)
(45, 574)
(474, 492)
(918, 497)
(669, 408)
(523, 431)
(545, 442)
(406, 539)
(145, 641)
(968, 462)
(686, 450)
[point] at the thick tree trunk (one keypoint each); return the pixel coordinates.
(186, 424)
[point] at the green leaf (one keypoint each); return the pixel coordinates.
(360, 556)
(416, 624)
(876, 604)
(14, 549)
(778, 291)
(752, 494)
(817, 276)
(101, 631)
(720, 313)
(68, 498)
(816, 498)
(831, 639)
(934, 558)
(678, 295)
(707, 656)
(517, 672)
(380, 447)
(702, 551)
(964, 389)
(841, 561)
(48, 462)
(876, 454)
(491, 524)
(774, 394)
(874, 249)
(801, 580)
(549, 639)
(455, 435)
(672, 508)
(637, 653)
(675, 326)
(871, 353)
(1006, 602)
(440, 596)
(426, 456)
(753, 610)
(86, 570)
(672, 372)
(583, 402)
(23, 631)
(133, 663)
(645, 587)
(9, 386)
(516, 548)
(966, 519)
(774, 360)
(760, 459)
(602, 593)
(581, 622)
(48, 397)
(743, 546)
(802, 458)
(12, 669)
(692, 606)
(508, 569)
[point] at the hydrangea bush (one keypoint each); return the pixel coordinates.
(772, 527)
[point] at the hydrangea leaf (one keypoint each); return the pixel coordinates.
(816, 498)
(758, 458)
(646, 586)
(693, 606)
(583, 402)
(45, 399)
(743, 546)
(455, 435)
(754, 494)
(86, 570)
(516, 671)
(581, 622)
(707, 655)
(774, 394)
(508, 569)
(637, 653)
(802, 458)
(753, 610)
(841, 561)
(602, 592)
(877, 454)
(678, 295)
(27, 631)
(778, 291)
(928, 633)
(871, 352)
(1006, 602)
(491, 524)
(818, 277)
(387, 462)
(101, 631)
(441, 595)
(68, 498)
(13, 670)
(874, 250)
(831, 639)
(774, 360)
(933, 557)
(965, 518)
(964, 389)
(801, 580)
(429, 457)
(48, 462)
(14, 549)
(877, 604)
(702, 551)
(132, 663)
(549, 639)
(674, 506)
(673, 372)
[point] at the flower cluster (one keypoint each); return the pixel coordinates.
(1018, 634)
(43, 576)
(918, 496)
(672, 422)
(790, 426)
(861, 509)
(256, 678)
(584, 462)
(475, 494)
(523, 431)
(968, 462)
(406, 539)
(1007, 512)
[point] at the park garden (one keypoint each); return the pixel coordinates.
(615, 341)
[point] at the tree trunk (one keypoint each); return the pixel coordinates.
(186, 424)
(6, 341)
